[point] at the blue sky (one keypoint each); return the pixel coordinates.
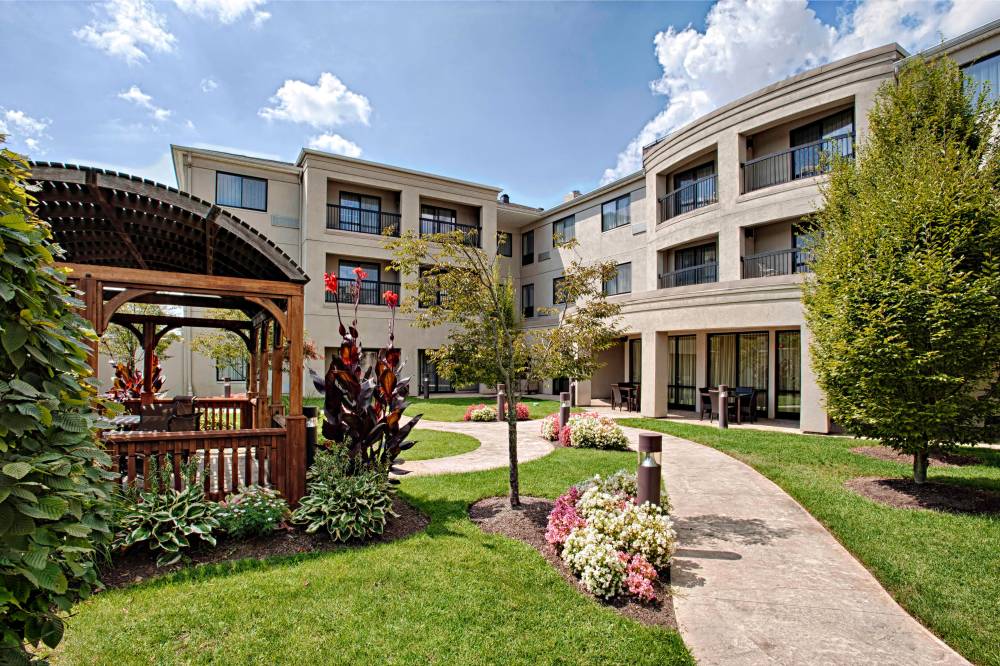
(539, 98)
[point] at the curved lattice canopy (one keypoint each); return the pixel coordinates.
(112, 219)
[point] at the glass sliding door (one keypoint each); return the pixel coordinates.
(789, 374)
(635, 361)
(740, 360)
(681, 390)
(426, 368)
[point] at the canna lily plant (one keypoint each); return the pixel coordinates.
(127, 384)
(363, 406)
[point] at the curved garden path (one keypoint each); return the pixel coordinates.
(758, 580)
(492, 452)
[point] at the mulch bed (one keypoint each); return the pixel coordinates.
(139, 564)
(939, 459)
(905, 494)
(527, 523)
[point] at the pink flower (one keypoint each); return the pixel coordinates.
(639, 576)
(564, 435)
(470, 409)
(522, 412)
(360, 273)
(331, 282)
(391, 298)
(564, 519)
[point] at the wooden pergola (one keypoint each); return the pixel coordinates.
(129, 240)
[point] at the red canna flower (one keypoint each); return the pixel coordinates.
(391, 298)
(331, 282)
(360, 272)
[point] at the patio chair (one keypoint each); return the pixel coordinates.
(704, 404)
(748, 403)
(636, 398)
(616, 396)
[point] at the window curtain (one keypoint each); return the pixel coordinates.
(722, 359)
(985, 72)
(228, 190)
(254, 193)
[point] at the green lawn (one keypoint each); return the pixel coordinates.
(438, 444)
(453, 408)
(943, 568)
(450, 595)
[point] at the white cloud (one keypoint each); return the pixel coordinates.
(127, 29)
(225, 11)
(749, 44)
(334, 143)
(208, 84)
(142, 100)
(189, 125)
(327, 104)
(23, 129)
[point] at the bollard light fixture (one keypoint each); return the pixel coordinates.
(648, 474)
(564, 405)
(501, 402)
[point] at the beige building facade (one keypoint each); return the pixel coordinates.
(708, 237)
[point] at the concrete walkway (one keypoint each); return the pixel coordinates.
(758, 580)
(492, 452)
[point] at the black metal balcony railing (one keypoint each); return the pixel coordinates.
(437, 227)
(777, 262)
(371, 292)
(811, 159)
(361, 221)
(693, 275)
(692, 196)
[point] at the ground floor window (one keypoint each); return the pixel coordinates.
(740, 360)
(635, 361)
(234, 372)
(788, 358)
(681, 389)
(428, 374)
(560, 385)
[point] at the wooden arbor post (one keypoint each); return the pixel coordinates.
(296, 422)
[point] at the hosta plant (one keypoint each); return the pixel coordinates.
(363, 406)
(166, 520)
(254, 511)
(354, 507)
(55, 507)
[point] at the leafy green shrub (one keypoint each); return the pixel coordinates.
(55, 494)
(254, 511)
(347, 507)
(167, 520)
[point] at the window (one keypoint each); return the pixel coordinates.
(740, 360)
(620, 283)
(830, 136)
(240, 191)
(528, 300)
(345, 272)
(438, 297)
(359, 212)
(635, 361)
(615, 213)
(558, 297)
(682, 364)
(527, 248)
(563, 230)
(235, 372)
(435, 220)
(693, 189)
(505, 244)
(985, 71)
(788, 349)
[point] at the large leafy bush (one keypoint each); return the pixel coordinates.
(168, 521)
(352, 506)
(54, 493)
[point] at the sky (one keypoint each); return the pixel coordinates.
(538, 98)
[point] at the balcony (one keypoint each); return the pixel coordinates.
(471, 232)
(776, 262)
(805, 161)
(692, 196)
(371, 292)
(700, 274)
(358, 220)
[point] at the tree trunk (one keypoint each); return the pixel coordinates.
(920, 466)
(515, 490)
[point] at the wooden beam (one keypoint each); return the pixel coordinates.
(109, 212)
(188, 300)
(168, 320)
(111, 307)
(210, 232)
(115, 276)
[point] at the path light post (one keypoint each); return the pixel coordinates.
(564, 405)
(650, 451)
(312, 422)
(723, 406)
(227, 387)
(427, 387)
(501, 402)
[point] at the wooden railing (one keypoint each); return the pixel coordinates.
(225, 459)
(216, 413)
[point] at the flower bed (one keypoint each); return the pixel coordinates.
(588, 430)
(483, 412)
(613, 545)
